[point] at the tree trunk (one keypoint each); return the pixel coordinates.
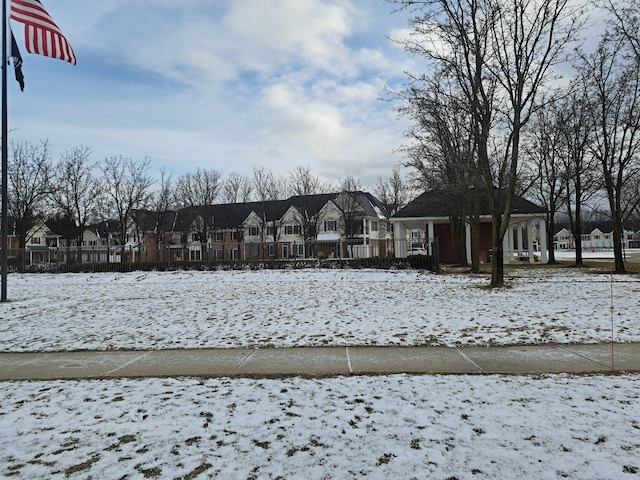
(497, 261)
(618, 234)
(475, 246)
(551, 226)
(475, 234)
(497, 266)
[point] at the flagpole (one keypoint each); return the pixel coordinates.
(5, 162)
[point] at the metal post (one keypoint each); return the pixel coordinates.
(5, 154)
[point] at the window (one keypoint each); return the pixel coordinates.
(234, 235)
(35, 240)
(254, 250)
(195, 237)
(93, 243)
(270, 231)
(272, 250)
(374, 226)
(298, 250)
(292, 229)
(235, 254)
(219, 255)
(330, 226)
(195, 255)
(219, 236)
(254, 231)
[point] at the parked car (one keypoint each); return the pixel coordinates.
(416, 251)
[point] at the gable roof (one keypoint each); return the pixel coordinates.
(146, 220)
(104, 228)
(369, 206)
(233, 215)
(230, 215)
(312, 204)
(435, 204)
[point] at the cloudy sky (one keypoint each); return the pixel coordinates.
(224, 84)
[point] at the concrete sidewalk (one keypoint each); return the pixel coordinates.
(321, 361)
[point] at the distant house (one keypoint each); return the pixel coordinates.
(596, 235)
(99, 240)
(338, 225)
(97, 244)
(42, 244)
(427, 219)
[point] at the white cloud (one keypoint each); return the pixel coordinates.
(232, 84)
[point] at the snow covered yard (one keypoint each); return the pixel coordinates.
(397, 426)
(446, 427)
(158, 310)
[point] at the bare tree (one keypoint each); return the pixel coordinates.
(266, 186)
(127, 187)
(501, 53)
(303, 182)
(545, 147)
(76, 195)
(392, 191)
(443, 153)
(612, 78)
(582, 181)
(237, 189)
(350, 184)
(199, 188)
(626, 22)
(306, 189)
(161, 203)
(350, 209)
(29, 185)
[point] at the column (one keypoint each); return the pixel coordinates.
(507, 243)
(430, 237)
(468, 242)
(530, 240)
(519, 237)
(544, 257)
(365, 250)
(399, 239)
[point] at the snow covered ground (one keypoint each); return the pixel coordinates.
(480, 427)
(398, 426)
(158, 310)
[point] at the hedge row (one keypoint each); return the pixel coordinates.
(413, 262)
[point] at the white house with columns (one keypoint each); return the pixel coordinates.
(425, 222)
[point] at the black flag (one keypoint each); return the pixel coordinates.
(17, 62)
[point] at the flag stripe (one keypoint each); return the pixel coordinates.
(42, 35)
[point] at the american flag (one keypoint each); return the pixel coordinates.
(41, 34)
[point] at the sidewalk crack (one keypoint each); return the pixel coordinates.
(349, 360)
(466, 358)
(246, 357)
(567, 349)
(126, 364)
